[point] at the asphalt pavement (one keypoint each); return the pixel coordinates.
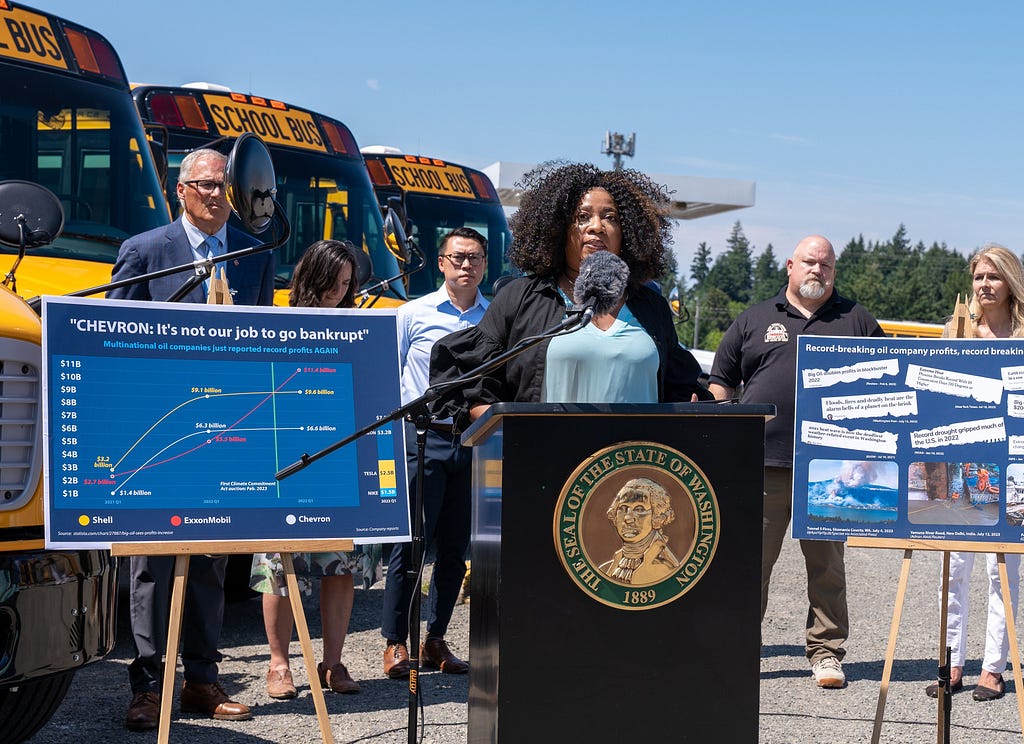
(793, 709)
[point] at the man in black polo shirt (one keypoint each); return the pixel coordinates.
(759, 352)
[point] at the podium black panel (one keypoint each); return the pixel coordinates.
(550, 662)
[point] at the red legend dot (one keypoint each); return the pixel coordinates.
(176, 521)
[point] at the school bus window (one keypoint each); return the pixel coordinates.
(48, 171)
(95, 186)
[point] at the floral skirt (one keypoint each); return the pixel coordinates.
(268, 569)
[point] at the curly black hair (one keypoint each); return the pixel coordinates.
(552, 192)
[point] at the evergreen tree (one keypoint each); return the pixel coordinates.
(768, 276)
(894, 279)
(714, 315)
(732, 270)
(671, 277)
(700, 266)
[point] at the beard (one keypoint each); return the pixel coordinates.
(813, 289)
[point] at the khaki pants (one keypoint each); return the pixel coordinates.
(828, 620)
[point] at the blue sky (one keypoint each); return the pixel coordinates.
(851, 118)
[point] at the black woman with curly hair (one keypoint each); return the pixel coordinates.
(630, 354)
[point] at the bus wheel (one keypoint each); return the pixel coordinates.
(26, 708)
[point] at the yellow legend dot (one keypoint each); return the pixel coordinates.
(83, 520)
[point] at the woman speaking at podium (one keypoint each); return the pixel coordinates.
(629, 352)
(997, 311)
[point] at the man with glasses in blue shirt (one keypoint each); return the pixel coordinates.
(446, 477)
(201, 232)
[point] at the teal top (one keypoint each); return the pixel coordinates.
(619, 365)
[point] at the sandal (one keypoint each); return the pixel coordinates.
(932, 690)
(986, 694)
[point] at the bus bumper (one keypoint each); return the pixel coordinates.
(58, 611)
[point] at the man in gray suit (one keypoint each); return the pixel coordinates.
(201, 231)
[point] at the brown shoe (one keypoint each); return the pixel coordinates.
(211, 700)
(436, 655)
(144, 712)
(396, 661)
(280, 685)
(337, 679)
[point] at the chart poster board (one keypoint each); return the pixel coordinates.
(909, 438)
(168, 421)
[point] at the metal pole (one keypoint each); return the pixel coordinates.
(696, 321)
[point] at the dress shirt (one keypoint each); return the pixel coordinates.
(421, 322)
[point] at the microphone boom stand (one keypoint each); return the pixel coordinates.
(420, 413)
(201, 268)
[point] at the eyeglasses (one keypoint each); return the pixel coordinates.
(457, 259)
(206, 187)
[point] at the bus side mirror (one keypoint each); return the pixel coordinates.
(364, 266)
(30, 216)
(156, 136)
(251, 183)
(394, 230)
(679, 310)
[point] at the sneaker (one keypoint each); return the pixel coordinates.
(828, 672)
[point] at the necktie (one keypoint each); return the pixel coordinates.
(212, 246)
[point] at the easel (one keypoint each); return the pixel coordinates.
(908, 547)
(182, 552)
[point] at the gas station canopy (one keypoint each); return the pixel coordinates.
(691, 196)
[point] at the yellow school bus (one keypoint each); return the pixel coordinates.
(911, 329)
(67, 123)
(322, 183)
(438, 197)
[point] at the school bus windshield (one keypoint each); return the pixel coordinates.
(322, 184)
(84, 142)
(433, 217)
(439, 197)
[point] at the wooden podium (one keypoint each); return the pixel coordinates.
(552, 662)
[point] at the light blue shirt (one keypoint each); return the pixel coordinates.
(619, 365)
(421, 322)
(196, 239)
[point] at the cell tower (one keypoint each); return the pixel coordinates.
(617, 145)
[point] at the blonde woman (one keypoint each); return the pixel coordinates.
(997, 311)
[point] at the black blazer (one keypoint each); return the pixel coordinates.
(527, 307)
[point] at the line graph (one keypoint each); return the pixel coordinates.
(172, 427)
(183, 432)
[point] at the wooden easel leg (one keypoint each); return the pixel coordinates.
(1011, 631)
(173, 637)
(307, 649)
(890, 651)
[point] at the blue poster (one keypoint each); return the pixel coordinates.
(168, 421)
(909, 438)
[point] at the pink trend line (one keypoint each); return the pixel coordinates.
(206, 444)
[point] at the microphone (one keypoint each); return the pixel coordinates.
(600, 284)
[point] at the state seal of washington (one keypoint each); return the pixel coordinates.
(636, 525)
